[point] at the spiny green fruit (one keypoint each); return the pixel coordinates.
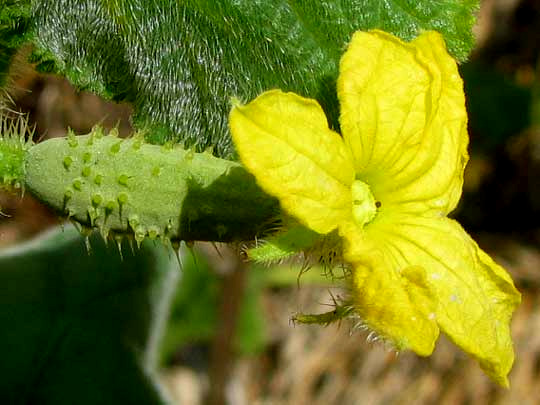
(126, 186)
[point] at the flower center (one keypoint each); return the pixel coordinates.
(364, 206)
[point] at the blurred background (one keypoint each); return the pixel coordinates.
(212, 337)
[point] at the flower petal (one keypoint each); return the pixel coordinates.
(396, 304)
(474, 296)
(403, 116)
(284, 140)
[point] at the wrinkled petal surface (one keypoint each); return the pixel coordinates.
(474, 297)
(392, 299)
(403, 116)
(284, 140)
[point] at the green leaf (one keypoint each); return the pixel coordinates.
(179, 62)
(14, 21)
(78, 327)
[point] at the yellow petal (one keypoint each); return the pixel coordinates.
(474, 296)
(393, 301)
(403, 116)
(284, 140)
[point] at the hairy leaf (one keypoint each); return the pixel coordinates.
(179, 62)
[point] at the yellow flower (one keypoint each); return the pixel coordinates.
(387, 185)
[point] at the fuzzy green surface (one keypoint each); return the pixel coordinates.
(12, 154)
(127, 186)
(284, 244)
(179, 62)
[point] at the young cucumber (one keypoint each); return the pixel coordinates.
(126, 186)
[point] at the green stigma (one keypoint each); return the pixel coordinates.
(364, 206)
